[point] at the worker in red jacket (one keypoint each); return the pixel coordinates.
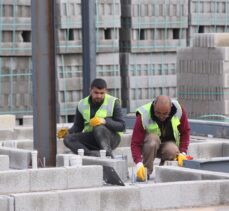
(161, 130)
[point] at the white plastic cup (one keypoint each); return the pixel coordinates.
(76, 160)
(102, 153)
(34, 159)
(81, 152)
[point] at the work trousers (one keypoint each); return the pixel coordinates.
(100, 138)
(152, 148)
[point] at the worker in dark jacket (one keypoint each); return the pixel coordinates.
(161, 130)
(98, 122)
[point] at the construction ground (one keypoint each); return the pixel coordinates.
(26, 187)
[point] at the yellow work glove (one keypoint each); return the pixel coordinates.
(141, 172)
(95, 121)
(62, 132)
(180, 158)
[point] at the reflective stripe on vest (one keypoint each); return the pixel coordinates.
(105, 110)
(152, 127)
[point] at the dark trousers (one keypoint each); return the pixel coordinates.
(100, 138)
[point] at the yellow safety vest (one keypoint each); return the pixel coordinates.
(152, 127)
(105, 110)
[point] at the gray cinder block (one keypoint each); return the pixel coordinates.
(121, 198)
(119, 165)
(6, 203)
(81, 199)
(4, 162)
(14, 181)
(32, 201)
(84, 176)
(44, 179)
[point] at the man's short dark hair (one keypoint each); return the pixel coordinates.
(99, 83)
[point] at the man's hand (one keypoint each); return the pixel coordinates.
(62, 132)
(181, 157)
(141, 172)
(95, 121)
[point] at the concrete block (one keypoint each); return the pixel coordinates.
(10, 143)
(19, 158)
(14, 181)
(81, 199)
(225, 150)
(224, 191)
(27, 120)
(205, 150)
(63, 159)
(119, 165)
(61, 148)
(173, 174)
(32, 201)
(125, 152)
(198, 194)
(125, 139)
(211, 40)
(4, 162)
(7, 122)
(24, 144)
(6, 203)
(157, 193)
(120, 198)
(84, 177)
(45, 179)
(23, 132)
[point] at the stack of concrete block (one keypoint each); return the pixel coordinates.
(69, 49)
(69, 70)
(15, 28)
(207, 17)
(49, 179)
(145, 76)
(154, 26)
(151, 33)
(16, 85)
(15, 56)
(202, 78)
(211, 40)
(15, 31)
(69, 23)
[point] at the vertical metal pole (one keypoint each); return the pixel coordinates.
(88, 43)
(44, 88)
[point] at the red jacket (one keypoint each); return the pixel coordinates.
(139, 135)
